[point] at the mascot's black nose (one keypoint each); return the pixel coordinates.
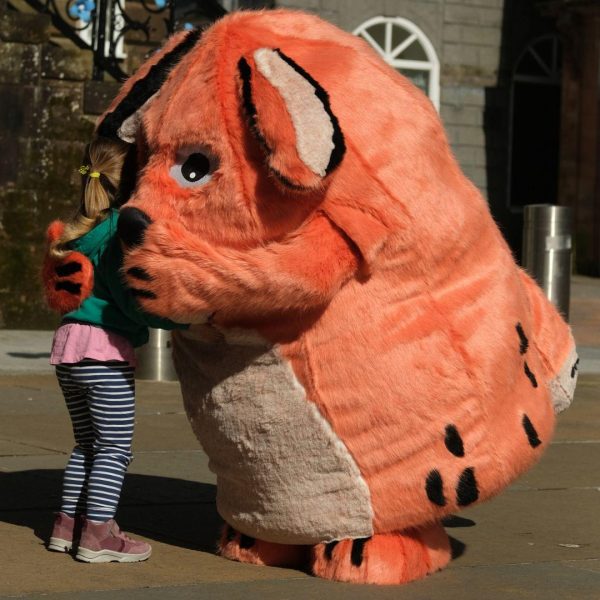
(131, 226)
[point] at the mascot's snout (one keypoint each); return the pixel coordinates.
(131, 226)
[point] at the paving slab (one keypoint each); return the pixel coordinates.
(562, 580)
(540, 539)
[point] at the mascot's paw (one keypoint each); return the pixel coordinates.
(384, 559)
(158, 269)
(562, 387)
(243, 548)
(67, 281)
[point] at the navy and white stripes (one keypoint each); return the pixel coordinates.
(100, 397)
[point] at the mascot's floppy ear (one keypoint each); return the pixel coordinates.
(290, 114)
(123, 118)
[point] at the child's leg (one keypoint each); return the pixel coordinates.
(111, 398)
(74, 496)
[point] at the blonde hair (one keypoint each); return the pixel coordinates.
(101, 174)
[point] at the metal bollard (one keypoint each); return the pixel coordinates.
(547, 251)
(154, 360)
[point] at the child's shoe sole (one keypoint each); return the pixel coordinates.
(104, 556)
(57, 545)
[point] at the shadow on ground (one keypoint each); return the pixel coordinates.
(173, 511)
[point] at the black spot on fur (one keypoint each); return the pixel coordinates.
(229, 533)
(457, 548)
(524, 342)
(143, 293)
(358, 547)
(466, 490)
(532, 434)
(68, 286)
(140, 273)
(328, 552)
(456, 521)
(143, 89)
(453, 441)
(434, 486)
(339, 145)
(68, 269)
(574, 368)
(246, 541)
(530, 375)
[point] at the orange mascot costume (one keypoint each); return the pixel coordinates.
(370, 358)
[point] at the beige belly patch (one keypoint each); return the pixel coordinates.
(282, 473)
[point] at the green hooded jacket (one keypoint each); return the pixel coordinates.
(111, 304)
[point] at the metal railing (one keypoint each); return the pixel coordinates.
(105, 26)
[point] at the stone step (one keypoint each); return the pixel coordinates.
(24, 28)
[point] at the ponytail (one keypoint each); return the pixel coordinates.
(101, 174)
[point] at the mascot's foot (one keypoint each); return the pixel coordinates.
(384, 559)
(246, 549)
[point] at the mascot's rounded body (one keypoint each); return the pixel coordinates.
(372, 359)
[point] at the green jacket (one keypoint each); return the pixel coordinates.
(111, 304)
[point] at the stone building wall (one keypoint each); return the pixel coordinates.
(46, 116)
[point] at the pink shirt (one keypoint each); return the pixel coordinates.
(75, 341)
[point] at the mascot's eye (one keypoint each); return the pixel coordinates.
(193, 169)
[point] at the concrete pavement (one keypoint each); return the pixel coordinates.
(538, 540)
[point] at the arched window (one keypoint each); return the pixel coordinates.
(535, 124)
(406, 48)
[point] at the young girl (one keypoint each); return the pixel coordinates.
(94, 357)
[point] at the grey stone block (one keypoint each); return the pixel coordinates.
(18, 117)
(330, 5)
(19, 63)
(485, 3)
(462, 115)
(97, 95)
(61, 111)
(470, 155)
(65, 63)
(463, 95)
(26, 28)
(460, 54)
(452, 33)
(481, 35)
(473, 15)
(467, 75)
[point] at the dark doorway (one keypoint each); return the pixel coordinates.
(535, 125)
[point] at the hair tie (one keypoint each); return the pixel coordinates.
(85, 170)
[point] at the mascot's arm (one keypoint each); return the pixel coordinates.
(184, 278)
(67, 281)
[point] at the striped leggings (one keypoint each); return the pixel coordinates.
(100, 397)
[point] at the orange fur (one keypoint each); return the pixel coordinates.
(385, 285)
(62, 300)
(388, 559)
(260, 552)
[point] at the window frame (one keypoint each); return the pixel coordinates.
(390, 55)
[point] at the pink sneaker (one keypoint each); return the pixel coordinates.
(66, 530)
(105, 542)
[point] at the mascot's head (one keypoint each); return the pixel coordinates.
(240, 132)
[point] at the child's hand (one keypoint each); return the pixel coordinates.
(67, 281)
